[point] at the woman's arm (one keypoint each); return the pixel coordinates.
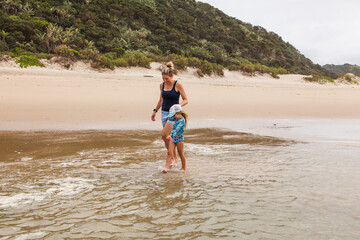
(181, 89)
(158, 105)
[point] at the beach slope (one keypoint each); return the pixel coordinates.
(81, 98)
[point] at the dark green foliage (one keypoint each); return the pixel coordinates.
(137, 58)
(121, 63)
(133, 32)
(342, 69)
(103, 62)
(194, 62)
(206, 68)
(218, 69)
(65, 51)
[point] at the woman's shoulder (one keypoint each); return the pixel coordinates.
(179, 85)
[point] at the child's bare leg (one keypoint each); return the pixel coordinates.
(180, 148)
(169, 158)
(175, 159)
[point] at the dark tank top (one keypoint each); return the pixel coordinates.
(169, 98)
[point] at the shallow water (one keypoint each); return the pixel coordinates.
(108, 185)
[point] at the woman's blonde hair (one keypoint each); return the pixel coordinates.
(167, 69)
(184, 114)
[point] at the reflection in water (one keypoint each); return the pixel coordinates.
(107, 184)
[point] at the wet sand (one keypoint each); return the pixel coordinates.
(53, 98)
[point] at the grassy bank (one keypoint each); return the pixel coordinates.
(66, 57)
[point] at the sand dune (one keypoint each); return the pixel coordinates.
(81, 98)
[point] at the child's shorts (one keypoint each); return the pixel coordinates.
(165, 119)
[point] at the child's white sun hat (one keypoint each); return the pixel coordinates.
(174, 109)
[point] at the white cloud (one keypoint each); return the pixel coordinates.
(326, 31)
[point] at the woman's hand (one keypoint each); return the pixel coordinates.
(168, 138)
(153, 116)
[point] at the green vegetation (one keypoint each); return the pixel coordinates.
(319, 79)
(26, 61)
(251, 69)
(111, 33)
(339, 70)
(349, 78)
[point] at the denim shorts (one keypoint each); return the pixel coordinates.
(164, 118)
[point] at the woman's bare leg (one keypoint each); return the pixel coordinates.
(169, 158)
(166, 132)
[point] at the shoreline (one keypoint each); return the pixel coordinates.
(320, 130)
(52, 98)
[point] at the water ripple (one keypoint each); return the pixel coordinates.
(237, 186)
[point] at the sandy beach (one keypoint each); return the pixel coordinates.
(266, 158)
(81, 98)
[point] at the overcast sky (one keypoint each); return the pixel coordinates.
(326, 31)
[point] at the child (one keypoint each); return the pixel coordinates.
(178, 118)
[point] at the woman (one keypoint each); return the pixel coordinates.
(170, 92)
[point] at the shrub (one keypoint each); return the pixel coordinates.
(206, 68)
(44, 56)
(17, 52)
(274, 75)
(63, 61)
(90, 54)
(199, 73)
(137, 59)
(260, 68)
(200, 52)
(154, 50)
(282, 70)
(275, 71)
(111, 55)
(65, 51)
(234, 67)
(120, 62)
(348, 78)
(103, 62)
(40, 23)
(318, 79)
(248, 68)
(218, 70)
(194, 62)
(28, 60)
(119, 51)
